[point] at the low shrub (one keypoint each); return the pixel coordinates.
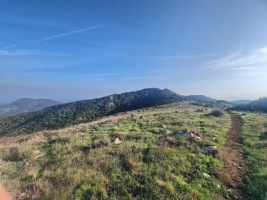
(216, 113)
(13, 155)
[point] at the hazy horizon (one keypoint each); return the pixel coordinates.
(85, 49)
(67, 100)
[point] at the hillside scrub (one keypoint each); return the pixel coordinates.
(151, 162)
(63, 115)
(216, 113)
(259, 105)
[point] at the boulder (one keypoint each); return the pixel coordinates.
(104, 141)
(117, 141)
(210, 150)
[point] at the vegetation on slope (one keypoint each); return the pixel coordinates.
(255, 146)
(200, 98)
(152, 162)
(25, 105)
(259, 105)
(60, 116)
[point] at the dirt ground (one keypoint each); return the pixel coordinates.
(235, 169)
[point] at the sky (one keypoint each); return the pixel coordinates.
(69, 50)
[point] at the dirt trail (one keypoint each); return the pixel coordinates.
(235, 170)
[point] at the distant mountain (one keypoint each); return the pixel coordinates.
(25, 105)
(200, 98)
(241, 102)
(259, 105)
(60, 116)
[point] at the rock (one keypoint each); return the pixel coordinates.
(163, 126)
(38, 156)
(206, 175)
(198, 134)
(173, 175)
(167, 132)
(22, 196)
(117, 141)
(179, 132)
(183, 133)
(196, 137)
(104, 141)
(210, 150)
(189, 134)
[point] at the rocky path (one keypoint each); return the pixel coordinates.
(235, 170)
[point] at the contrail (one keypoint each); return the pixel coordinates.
(55, 36)
(70, 33)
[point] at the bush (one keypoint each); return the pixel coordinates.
(101, 142)
(216, 113)
(13, 155)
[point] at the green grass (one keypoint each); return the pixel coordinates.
(147, 165)
(255, 145)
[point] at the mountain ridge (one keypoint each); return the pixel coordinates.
(200, 98)
(259, 105)
(25, 105)
(60, 116)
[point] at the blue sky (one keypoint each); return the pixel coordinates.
(78, 49)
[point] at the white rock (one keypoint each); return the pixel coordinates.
(22, 195)
(117, 141)
(206, 175)
(167, 132)
(164, 126)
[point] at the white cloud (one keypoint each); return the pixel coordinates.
(241, 61)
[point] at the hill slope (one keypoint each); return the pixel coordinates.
(152, 161)
(241, 102)
(25, 105)
(200, 98)
(259, 105)
(60, 116)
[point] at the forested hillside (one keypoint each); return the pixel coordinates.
(63, 115)
(259, 105)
